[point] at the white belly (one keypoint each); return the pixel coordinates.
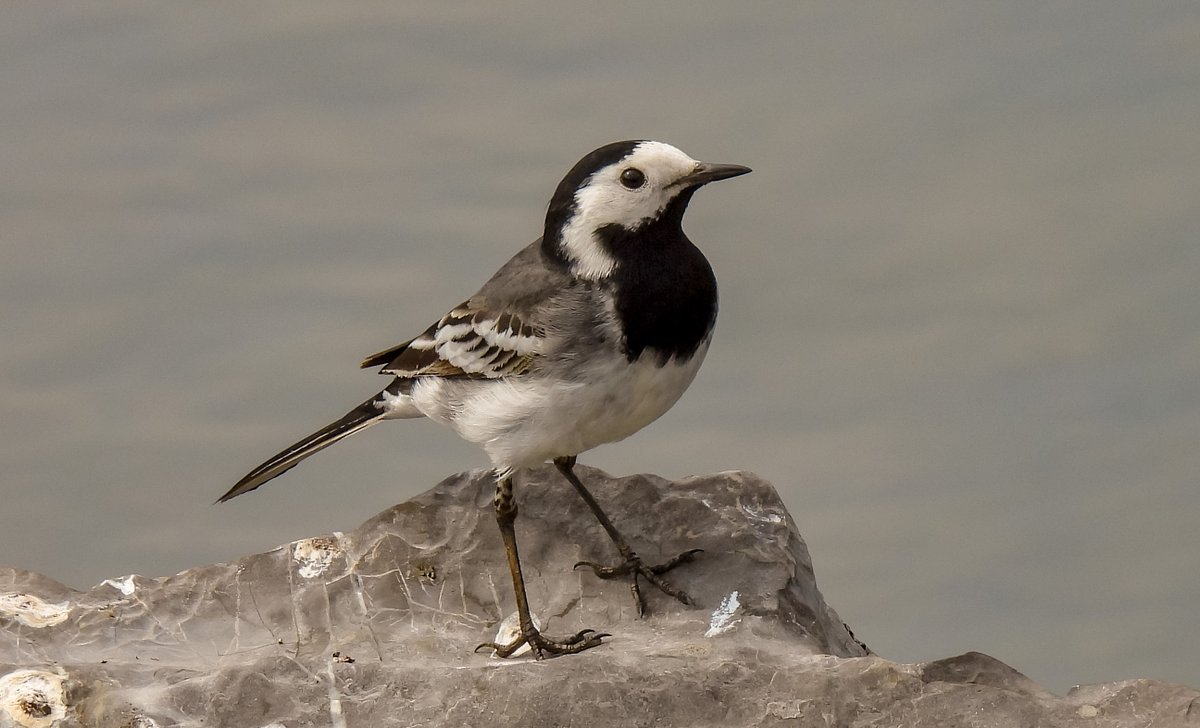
(521, 422)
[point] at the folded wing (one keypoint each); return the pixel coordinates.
(467, 342)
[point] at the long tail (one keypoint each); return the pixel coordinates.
(357, 419)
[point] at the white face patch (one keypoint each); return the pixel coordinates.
(605, 200)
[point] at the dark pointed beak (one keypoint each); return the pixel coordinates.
(705, 173)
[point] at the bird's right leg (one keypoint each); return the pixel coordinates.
(632, 564)
(506, 516)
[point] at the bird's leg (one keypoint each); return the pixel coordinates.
(506, 516)
(632, 563)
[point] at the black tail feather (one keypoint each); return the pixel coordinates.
(359, 418)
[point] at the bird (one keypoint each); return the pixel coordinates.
(584, 337)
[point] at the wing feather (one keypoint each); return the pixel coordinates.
(467, 342)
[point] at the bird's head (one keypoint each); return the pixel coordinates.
(632, 185)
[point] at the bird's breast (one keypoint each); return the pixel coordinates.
(525, 421)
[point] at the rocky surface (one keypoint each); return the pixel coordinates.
(375, 628)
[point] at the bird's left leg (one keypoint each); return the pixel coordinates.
(506, 515)
(632, 563)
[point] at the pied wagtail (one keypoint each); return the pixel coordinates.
(584, 337)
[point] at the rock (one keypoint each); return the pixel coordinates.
(376, 628)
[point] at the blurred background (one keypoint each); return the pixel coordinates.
(960, 324)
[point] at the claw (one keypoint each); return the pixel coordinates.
(543, 646)
(605, 572)
(633, 565)
(685, 557)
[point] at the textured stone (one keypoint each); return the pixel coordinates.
(376, 628)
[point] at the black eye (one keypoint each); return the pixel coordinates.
(633, 178)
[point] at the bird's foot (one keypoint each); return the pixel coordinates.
(633, 565)
(544, 647)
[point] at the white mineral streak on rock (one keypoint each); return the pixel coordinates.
(722, 617)
(33, 611)
(337, 718)
(124, 585)
(762, 515)
(314, 555)
(32, 699)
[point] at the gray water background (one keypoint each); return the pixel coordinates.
(960, 326)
